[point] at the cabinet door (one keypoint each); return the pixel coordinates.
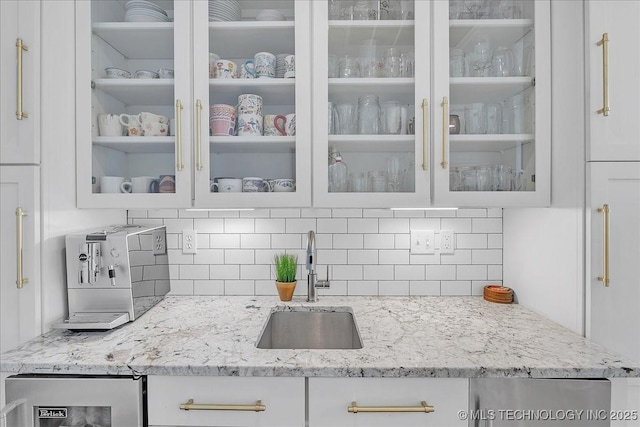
(232, 141)
(616, 134)
(283, 401)
(150, 44)
(613, 319)
(490, 114)
(20, 312)
(20, 88)
(371, 93)
(330, 398)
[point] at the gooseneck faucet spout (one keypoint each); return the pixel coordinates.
(312, 283)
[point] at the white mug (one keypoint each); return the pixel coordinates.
(111, 184)
(132, 124)
(228, 185)
(109, 125)
(138, 184)
(249, 125)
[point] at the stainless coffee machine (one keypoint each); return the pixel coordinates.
(114, 275)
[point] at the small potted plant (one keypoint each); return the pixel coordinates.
(286, 266)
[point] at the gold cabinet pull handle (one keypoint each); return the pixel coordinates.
(605, 277)
(445, 130)
(354, 408)
(198, 135)
(257, 407)
(21, 280)
(179, 164)
(604, 42)
(425, 135)
(21, 47)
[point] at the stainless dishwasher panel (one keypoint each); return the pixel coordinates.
(528, 402)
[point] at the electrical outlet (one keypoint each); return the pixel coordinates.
(446, 242)
(189, 242)
(422, 242)
(159, 242)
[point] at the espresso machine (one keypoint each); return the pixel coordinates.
(114, 275)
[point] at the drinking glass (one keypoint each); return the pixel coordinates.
(502, 62)
(391, 118)
(455, 179)
(475, 116)
(347, 119)
(407, 65)
(483, 178)
(368, 115)
(333, 123)
(358, 182)
(395, 173)
(334, 9)
(368, 60)
(392, 63)
(456, 63)
(365, 10)
(348, 67)
(332, 69)
(494, 118)
(378, 180)
(468, 177)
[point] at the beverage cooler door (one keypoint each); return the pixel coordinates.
(68, 401)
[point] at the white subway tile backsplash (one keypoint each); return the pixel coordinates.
(378, 272)
(424, 287)
(362, 251)
(486, 256)
(487, 225)
(239, 225)
(272, 225)
(331, 225)
(393, 288)
(379, 241)
(362, 225)
(409, 272)
(393, 225)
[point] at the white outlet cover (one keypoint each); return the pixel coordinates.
(446, 242)
(189, 242)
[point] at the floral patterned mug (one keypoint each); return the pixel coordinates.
(265, 65)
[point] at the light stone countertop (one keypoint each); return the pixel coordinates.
(402, 337)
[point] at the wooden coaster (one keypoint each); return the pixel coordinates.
(499, 294)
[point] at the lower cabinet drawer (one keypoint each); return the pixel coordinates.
(330, 398)
(283, 400)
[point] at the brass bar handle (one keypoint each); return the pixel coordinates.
(198, 135)
(21, 280)
(21, 47)
(354, 408)
(604, 42)
(605, 277)
(179, 164)
(425, 135)
(257, 407)
(445, 130)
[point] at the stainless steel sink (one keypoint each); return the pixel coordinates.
(310, 327)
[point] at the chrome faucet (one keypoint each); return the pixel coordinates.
(312, 283)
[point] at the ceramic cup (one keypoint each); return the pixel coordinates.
(265, 65)
(228, 185)
(222, 120)
(282, 185)
(164, 184)
(274, 125)
(145, 74)
(165, 73)
(132, 124)
(248, 70)
(153, 124)
(290, 66)
(138, 184)
(225, 69)
(213, 58)
(117, 73)
(109, 125)
(249, 125)
(213, 184)
(111, 184)
(254, 184)
(249, 103)
(290, 127)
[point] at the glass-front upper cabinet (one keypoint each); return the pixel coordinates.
(252, 108)
(371, 92)
(491, 112)
(133, 103)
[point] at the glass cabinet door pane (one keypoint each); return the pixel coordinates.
(138, 81)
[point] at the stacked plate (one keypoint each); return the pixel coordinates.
(281, 67)
(224, 10)
(144, 11)
(270, 15)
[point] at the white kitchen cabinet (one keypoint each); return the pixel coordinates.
(20, 310)
(20, 84)
(330, 398)
(192, 156)
(283, 401)
(612, 77)
(501, 153)
(613, 251)
(431, 160)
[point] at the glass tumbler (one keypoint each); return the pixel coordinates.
(475, 117)
(333, 123)
(378, 180)
(391, 118)
(494, 118)
(456, 63)
(468, 178)
(348, 67)
(392, 62)
(368, 115)
(502, 62)
(347, 119)
(483, 178)
(365, 10)
(358, 182)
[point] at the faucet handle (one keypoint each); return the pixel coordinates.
(324, 284)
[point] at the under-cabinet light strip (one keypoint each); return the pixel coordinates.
(423, 209)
